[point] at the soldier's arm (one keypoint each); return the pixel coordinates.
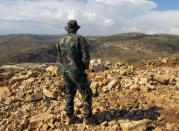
(85, 52)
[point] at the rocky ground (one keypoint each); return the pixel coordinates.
(126, 97)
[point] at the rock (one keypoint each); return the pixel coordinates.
(123, 72)
(2, 127)
(167, 71)
(150, 87)
(79, 103)
(81, 127)
(2, 99)
(164, 60)
(118, 87)
(113, 84)
(16, 85)
(100, 84)
(51, 125)
(24, 123)
(144, 89)
(110, 77)
(134, 125)
(177, 84)
(97, 65)
(163, 79)
(23, 108)
(94, 86)
(37, 96)
(105, 89)
(45, 127)
(4, 91)
(19, 113)
(8, 100)
(171, 127)
(151, 77)
(136, 80)
(128, 84)
(92, 62)
(135, 87)
(119, 64)
(159, 129)
(50, 94)
(21, 76)
(143, 81)
(63, 116)
(105, 81)
(105, 123)
(172, 80)
(112, 122)
(53, 70)
(108, 63)
(116, 128)
(126, 71)
(97, 78)
(37, 119)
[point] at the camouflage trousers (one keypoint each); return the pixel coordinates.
(72, 84)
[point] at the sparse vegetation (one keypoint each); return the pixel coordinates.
(128, 47)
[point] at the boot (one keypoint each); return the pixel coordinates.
(71, 120)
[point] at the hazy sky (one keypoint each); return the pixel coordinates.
(96, 17)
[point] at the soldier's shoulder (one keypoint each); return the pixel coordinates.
(81, 37)
(61, 37)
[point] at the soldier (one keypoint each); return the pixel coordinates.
(74, 58)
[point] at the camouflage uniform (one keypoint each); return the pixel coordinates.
(73, 57)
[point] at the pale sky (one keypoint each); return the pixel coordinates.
(96, 17)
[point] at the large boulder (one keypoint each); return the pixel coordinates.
(113, 84)
(22, 76)
(43, 117)
(53, 70)
(163, 79)
(134, 125)
(97, 65)
(50, 94)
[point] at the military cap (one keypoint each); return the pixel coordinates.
(72, 24)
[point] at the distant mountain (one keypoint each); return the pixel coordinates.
(125, 47)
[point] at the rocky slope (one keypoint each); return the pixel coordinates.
(126, 97)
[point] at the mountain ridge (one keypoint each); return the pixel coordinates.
(129, 47)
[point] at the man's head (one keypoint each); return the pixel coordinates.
(72, 26)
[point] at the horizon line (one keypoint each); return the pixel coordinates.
(89, 35)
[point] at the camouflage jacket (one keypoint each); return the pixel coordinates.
(73, 54)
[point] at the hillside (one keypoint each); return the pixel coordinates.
(135, 46)
(128, 47)
(142, 96)
(24, 48)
